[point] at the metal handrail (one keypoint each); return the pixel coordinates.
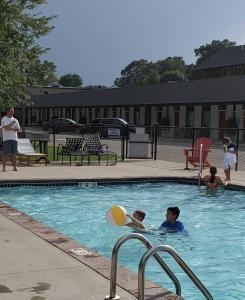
(200, 164)
(148, 245)
(152, 252)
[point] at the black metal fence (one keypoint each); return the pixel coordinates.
(139, 142)
(171, 143)
(128, 142)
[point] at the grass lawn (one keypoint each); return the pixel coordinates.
(94, 158)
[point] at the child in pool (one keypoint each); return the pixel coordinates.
(230, 157)
(171, 224)
(137, 219)
(212, 181)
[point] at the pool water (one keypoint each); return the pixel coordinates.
(214, 249)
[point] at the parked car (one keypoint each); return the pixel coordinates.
(64, 125)
(109, 122)
(109, 127)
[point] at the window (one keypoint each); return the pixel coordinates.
(189, 121)
(237, 71)
(97, 112)
(176, 108)
(221, 107)
(226, 72)
(106, 112)
(126, 113)
(114, 112)
(206, 116)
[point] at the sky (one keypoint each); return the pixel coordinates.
(98, 38)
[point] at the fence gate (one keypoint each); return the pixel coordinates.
(140, 142)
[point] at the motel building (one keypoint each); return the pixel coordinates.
(216, 99)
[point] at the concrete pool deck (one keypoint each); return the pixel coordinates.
(127, 169)
(31, 268)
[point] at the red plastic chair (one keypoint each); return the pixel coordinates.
(194, 157)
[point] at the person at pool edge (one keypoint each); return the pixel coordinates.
(10, 128)
(171, 224)
(212, 181)
(137, 219)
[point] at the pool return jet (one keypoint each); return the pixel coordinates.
(117, 215)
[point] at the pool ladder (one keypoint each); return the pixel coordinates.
(152, 251)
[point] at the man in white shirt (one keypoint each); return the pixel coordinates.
(10, 128)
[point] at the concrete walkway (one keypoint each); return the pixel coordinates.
(32, 269)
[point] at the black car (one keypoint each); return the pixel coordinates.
(109, 127)
(109, 122)
(64, 125)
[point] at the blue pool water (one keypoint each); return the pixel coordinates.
(214, 249)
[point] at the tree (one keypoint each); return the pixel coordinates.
(204, 51)
(71, 80)
(171, 64)
(172, 76)
(45, 73)
(152, 77)
(136, 73)
(20, 27)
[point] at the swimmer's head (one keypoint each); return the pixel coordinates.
(226, 141)
(139, 215)
(172, 214)
(213, 171)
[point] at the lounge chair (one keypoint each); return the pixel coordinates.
(72, 147)
(195, 153)
(26, 150)
(94, 147)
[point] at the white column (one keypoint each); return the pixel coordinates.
(142, 115)
(182, 115)
(214, 122)
(197, 116)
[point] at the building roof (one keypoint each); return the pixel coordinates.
(229, 56)
(197, 91)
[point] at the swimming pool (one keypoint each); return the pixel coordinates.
(215, 248)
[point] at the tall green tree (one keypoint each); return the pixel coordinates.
(172, 76)
(71, 80)
(173, 63)
(20, 28)
(204, 51)
(44, 72)
(136, 73)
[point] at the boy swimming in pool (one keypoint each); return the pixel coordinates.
(171, 224)
(137, 219)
